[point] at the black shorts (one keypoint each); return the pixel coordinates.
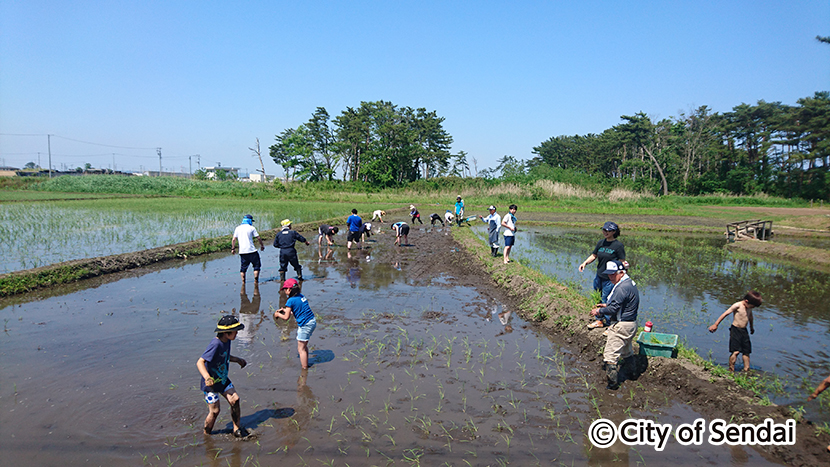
(403, 230)
(739, 340)
(249, 258)
(353, 236)
(509, 240)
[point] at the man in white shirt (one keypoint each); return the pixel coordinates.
(244, 234)
(509, 224)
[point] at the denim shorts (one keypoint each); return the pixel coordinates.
(304, 332)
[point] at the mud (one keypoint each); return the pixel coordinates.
(421, 356)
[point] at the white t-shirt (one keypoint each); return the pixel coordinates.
(245, 234)
(448, 216)
(508, 221)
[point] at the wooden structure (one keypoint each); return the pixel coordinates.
(758, 229)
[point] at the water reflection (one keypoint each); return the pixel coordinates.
(504, 318)
(249, 314)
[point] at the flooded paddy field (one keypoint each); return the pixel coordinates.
(687, 280)
(418, 359)
(38, 234)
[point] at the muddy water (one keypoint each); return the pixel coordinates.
(687, 281)
(405, 372)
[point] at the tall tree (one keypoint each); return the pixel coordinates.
(322, 139)
(650, 139)
(696, 134)
(292, 151)
(258, 155)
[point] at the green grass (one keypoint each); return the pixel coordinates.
(438, 191)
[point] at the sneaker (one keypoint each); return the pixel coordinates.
(240, 433)
(596, 324)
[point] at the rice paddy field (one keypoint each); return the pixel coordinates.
(687, 280)
(34, 234)
(408, 368)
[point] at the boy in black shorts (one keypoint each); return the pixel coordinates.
(738, 337)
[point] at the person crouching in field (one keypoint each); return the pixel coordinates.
(433, 218)
(378, 215)
(213, 366)
(416, 216)
(297, 305)
(449, 217)
(739, 342)
(401, 231)
(327, 231)
(622, 307)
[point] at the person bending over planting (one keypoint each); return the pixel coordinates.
(297, 305)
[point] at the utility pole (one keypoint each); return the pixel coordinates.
(158, 150)
(189, 158)
(49, 144)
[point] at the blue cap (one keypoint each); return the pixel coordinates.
(610, 226)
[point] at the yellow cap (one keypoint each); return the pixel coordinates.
(285, 222)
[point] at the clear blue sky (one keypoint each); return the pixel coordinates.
(208, 78)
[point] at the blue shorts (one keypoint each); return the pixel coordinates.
(213, 397)
(509, 240)
(249, 258)
(304, 332)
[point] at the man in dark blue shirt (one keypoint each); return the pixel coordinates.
(355, 223)
(285, 240)
(622, 306)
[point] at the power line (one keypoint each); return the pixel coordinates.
(99, 144)
(75, 140)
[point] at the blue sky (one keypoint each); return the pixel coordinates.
(208, 78)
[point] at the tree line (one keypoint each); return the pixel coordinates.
(377, 143)
(769, 147)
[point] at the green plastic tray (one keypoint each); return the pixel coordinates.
(656, 344)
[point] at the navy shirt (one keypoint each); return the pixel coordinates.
(286, 239)
(217, 359)
(624, 301)
(354, 221)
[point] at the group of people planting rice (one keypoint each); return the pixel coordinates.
(616, 312)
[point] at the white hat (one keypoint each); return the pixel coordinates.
(492, 208)
(613, 267)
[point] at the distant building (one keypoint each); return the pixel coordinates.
(261, 178)
(155, 173)
(230, 172)
(6, 171)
